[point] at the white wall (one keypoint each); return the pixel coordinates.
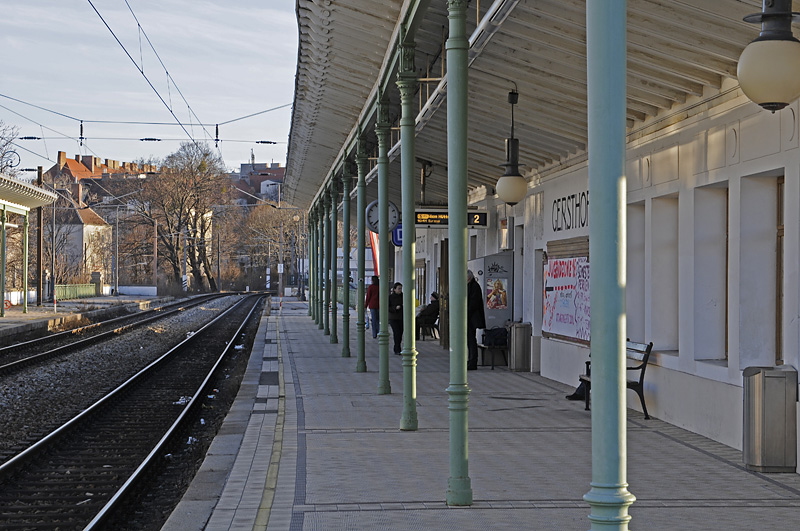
(707, 302)
(691, 185)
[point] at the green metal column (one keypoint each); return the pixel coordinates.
(321, 264)
(407, 84)
(326, 249)
(310, 244)
(608, 498)
(459, 486)
(361, 199)
(3, 220)
(335, 260)
(312, 265)
(346, 260)
(25, 265)
(382, 130)
(317, 268)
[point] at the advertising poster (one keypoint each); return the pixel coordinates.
(496, 296)
(566, 298)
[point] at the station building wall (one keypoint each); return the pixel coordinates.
(704, 277)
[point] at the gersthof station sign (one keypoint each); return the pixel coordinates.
(438, 218)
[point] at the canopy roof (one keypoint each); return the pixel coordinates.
(682, 58)
(20, 197)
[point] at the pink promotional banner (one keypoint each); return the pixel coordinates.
(566, 298)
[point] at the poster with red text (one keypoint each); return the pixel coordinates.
(566, 298)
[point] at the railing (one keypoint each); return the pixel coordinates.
(74, 291)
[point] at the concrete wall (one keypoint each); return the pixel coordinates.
(147, 291)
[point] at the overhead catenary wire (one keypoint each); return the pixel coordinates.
(141, 71)
(78, 141)
(132, 122)
(169, 77)
(150, 139)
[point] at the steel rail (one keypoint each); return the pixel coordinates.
(122, 391)
(32, 343)
(154, 454)
(17, 365)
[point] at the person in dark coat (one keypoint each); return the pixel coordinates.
(428, 316)
(372, 303)
(476, 318)
(396, 316)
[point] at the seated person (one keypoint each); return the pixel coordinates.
(428, 316)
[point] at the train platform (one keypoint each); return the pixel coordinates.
(311, 445)
(47, 317)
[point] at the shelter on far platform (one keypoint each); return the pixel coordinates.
(17, 197)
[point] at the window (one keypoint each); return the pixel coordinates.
(664, 274)
(760, 271)
(635, 278)
(711, 273)
(779, 276)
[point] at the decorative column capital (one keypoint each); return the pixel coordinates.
(382, 124)
(346, 177)
(456, 5)
(407, 51)
(361, 156)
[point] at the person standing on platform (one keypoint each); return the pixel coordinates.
(396, 316)
(372, 303)
(476, 318)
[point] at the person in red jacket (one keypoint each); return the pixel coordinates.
(372, 303)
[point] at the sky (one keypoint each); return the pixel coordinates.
(226, 59)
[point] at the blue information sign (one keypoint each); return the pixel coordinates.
(397, 235)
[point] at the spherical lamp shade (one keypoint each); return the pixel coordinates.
(769, 72)
(511, 189)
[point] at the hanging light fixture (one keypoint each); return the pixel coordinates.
(769, 67)
(511, 186)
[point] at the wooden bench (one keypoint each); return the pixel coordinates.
(639, 353)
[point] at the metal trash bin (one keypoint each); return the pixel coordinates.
(519, 358)
(770, 419)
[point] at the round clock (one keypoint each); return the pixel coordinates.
(373, 216)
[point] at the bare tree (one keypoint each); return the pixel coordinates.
(8, 156)
(181, 200)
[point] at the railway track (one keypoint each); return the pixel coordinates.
(84, 473)
(25, 354)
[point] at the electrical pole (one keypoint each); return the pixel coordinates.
(116, 256)
(155, 255)
(39, 242)
(219, 278)
(184, 277)
(53, 248)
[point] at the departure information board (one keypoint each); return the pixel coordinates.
(439, 218)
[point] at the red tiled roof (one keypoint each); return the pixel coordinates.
(90, 217)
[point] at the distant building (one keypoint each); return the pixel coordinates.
(258, 181)
(92, 180)
(87, 167)
(83, 239)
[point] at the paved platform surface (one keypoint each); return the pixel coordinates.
(310, 445)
